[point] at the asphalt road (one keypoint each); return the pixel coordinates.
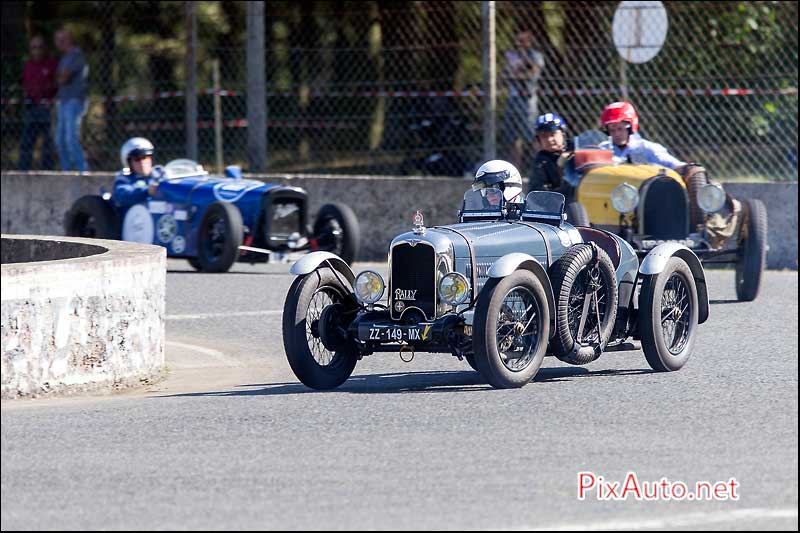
(231, 440)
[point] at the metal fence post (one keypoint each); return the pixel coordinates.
(489, 80)
(191, 80)
(218, 146)
(256, 88)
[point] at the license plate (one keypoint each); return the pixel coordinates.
(418, 333)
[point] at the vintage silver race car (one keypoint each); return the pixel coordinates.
(507, 285)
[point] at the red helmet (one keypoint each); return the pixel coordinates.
(620, 112)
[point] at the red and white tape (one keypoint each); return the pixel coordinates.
(242, 123)
(130, 97)
(572, 91)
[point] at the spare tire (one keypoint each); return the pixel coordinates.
(92, 217)
(572, 279)
(696, 180)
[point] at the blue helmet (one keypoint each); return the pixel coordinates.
(550, 122)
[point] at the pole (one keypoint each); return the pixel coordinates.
(217, 117)
(489, 81)
(191, 80)
(256, 88)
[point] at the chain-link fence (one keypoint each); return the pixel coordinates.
(397, 88)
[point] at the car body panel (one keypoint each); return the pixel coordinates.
(309, 263)
(594, 190)
(656, 260)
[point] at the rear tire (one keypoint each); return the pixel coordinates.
(576, 214)
(499, 331)
(668, 316)
(92, 217)
(312, 363)
(338, 217)
(219, 236)
(752, 251)
(195, 263)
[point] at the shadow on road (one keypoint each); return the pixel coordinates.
(723, 302)
(240, 273)
(411, 382)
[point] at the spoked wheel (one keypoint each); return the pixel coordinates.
(312, 315)
(220, 234)
(585, 288)
(512, 326)
(675, 316)
(668, 316)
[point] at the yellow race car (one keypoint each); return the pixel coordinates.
(648, 205)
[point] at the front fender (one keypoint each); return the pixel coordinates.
(309, 263)
(655, 261)
(517, 260)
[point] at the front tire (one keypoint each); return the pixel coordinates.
(337, 230)
(92, 217)
(315, 365)
(219, 236)
(668, 315)
(577, 215)
(511, 329)
(752, 252)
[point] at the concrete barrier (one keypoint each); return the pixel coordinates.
(80, 314)
(36, 203)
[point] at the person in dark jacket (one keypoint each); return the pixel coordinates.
(548, 174)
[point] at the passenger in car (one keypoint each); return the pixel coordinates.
(555, 150)
(139, 177)
(620, 121)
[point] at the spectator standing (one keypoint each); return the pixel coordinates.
(39, 86)
(72, 78)
(524, 64)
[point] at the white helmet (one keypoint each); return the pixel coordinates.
(500, 174)
(136, 146)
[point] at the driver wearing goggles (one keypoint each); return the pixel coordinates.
(502, 175)
(139, 177)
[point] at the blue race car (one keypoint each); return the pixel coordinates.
(214, 221)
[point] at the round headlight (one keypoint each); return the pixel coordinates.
(711, 198)
(624, 198)
(453, 288)
(369, 287)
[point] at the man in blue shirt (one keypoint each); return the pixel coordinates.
(139, 178)
(621, 122)
(72, 77)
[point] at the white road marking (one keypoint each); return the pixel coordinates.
(674, 521)
(202, 316)
(216, 355)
